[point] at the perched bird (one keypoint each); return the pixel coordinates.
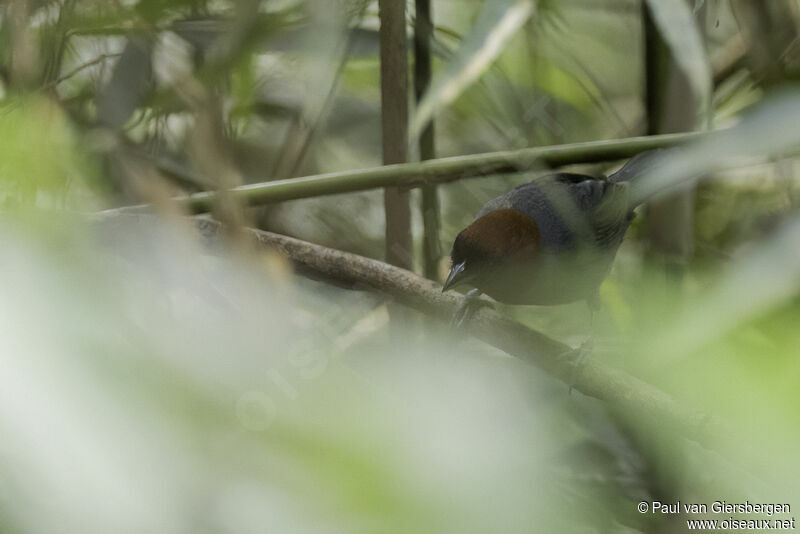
(551, 241)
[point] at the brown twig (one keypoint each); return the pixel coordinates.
(79, 68)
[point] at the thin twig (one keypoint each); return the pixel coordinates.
(79, 68)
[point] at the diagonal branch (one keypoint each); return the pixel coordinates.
(593, 378)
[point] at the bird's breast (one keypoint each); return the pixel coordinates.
(549, 279)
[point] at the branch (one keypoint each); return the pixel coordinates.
(432, 171)
(592, 378)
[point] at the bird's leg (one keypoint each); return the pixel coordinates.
(578, 357)
(593, 303)
(466, 308)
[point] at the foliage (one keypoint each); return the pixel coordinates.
(150, 384)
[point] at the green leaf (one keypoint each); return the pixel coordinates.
(679, 29)
(41, 162)
(498, 21)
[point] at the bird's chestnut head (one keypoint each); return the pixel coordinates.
(500, 238)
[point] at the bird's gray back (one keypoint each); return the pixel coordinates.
(564, 207)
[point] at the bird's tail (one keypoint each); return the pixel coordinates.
(636, 167)
(619, 200)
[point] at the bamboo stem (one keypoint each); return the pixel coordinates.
(394, 126)
(429, 206)
(435, 171)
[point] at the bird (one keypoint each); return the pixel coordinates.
(548, 242)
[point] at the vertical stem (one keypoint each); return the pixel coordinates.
(431, 246)
(769, 31)
(394, 118)
(23, 57)
(656, 61)
(671, 107)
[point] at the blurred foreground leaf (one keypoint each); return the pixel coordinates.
(498, 21)
(41, 163)
(150, 386)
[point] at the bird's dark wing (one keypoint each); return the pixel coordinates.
(564, 206)
(601, 207)
(558, 203)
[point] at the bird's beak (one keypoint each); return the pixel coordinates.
(455, 277)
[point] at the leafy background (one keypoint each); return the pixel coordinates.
(149, 384)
